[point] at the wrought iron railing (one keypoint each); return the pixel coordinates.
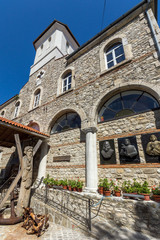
(75, 206)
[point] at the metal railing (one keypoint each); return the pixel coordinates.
(74, 205)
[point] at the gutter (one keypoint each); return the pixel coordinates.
(153, 30)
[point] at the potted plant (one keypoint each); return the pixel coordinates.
(74, 185)
(46, 180)
(100, 187)
(79, 185)
(156, 193)
(117, 190)
(107, 187)
(64, 184)
(144, 190)
(69, 185)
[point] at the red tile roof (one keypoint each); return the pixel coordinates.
(10, 122)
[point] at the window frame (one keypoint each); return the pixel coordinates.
(16, 110)
(66, 78)
(114, 57)
(36, 102)
(106, 104)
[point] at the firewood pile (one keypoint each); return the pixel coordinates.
(35, 224)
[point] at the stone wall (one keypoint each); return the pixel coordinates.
(140, 216)
(92, 88)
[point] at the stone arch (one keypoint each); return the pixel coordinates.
(39, 88)
(77, 110)
(149, 88)
(59, 82)
(34, 124)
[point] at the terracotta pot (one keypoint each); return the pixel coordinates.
(156, 198)
(107, 193)
(79, 189)
(65, 187)
(100, 190)
(117, 193)
(74, 189)
(146, 197)
(69, 188)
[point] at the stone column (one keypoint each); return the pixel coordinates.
(43, 160)
(91, 160)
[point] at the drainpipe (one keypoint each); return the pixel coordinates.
(152, 30)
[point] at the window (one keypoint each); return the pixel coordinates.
(66, 122)
(36, 98)
(34, 125)
(66, 82)
(2, 113)
(114, 55)
(39, 77)
(125, 104)
(16, 111)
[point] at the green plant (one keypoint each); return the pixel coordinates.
(107, 185)
(64, 182)
(100, 183)
(156, 190)
(46, 180)
(116, 185)
(73, 183)
(80, 184)
(144, 188)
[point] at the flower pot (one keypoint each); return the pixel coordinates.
(146, 197)
(156, 198)
(117, 193)
(100, 190)
(65, 187)
(74, 189)
(79, 189)
(69, 188)
(107, 193)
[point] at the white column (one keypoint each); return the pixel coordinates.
(91, 160)
(43, 160)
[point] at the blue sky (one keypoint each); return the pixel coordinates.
(22, 21)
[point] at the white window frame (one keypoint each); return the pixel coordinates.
(114, 59)
(36, 99)
(16, 111)
(67, 83)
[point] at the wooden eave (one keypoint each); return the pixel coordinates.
(9, 128)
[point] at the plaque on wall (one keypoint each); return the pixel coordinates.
(107, 152)
(62, 158)
(151, 147)
(128, 150)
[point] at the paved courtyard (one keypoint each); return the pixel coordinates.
(57, 232)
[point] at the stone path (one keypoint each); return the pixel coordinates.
(57, 232)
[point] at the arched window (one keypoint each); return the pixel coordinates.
(125, 104)
(36, 98)
(114, 55)
(66, 122)
(67, 82)
(16, 111)
(3, 113)
(34, 125)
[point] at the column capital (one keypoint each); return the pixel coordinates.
(89, 129)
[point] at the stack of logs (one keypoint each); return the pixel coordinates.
(34, 224)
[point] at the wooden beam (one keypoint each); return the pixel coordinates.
(14, 183)
(37, 146)
(19, 149)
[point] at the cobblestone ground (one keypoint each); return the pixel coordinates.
(57, 232)
(54, 232)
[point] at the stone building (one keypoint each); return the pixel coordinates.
(99, 102)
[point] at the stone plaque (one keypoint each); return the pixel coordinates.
(107, 152)
(151, 147)
(128, 150)
(62, 158)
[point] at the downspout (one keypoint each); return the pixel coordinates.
(152, 30)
